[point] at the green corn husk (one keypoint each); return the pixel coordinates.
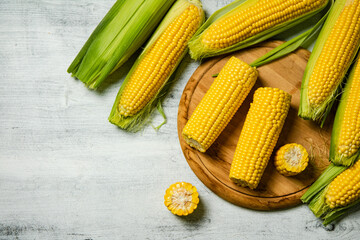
(136, 122)
(198, 51)
(315, 197)
(320, 113)
(123, 30)
(336, 157)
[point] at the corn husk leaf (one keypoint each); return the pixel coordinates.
(198, 51)
(136, 122)
(339, 119)
(319, 114)
(123, 30)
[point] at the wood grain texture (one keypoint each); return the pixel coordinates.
(275, 191)
(68, 174)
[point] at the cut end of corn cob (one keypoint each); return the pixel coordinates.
(247, 20)
(259, 135)
(345, 139)
(219, 104)
(333, 54)
(181, 198)
(148, 80)
(291, 159)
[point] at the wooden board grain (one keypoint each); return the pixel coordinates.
(212, 168)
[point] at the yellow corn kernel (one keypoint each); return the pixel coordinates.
(247, 22)
(159, 62)
(345, 188)
(336, 55)
(291, 159)
(349, 131)
(219, 104)
(181, 198)
(259, 135)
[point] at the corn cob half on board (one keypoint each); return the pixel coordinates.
(219, 104)
(148, 79)
(332, 56)
(123, 30)
(291, 159)
(259, 135)
(345, 138)
(245, 23)
(336, 192)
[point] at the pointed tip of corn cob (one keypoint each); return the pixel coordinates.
(219, 104)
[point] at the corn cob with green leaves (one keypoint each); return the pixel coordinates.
(147, 81)
(332, 56)
(335, 193)
(345, 138)
(122, 31)
(245, 23)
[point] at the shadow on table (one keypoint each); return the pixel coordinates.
(196, 216)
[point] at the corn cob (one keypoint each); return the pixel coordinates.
(259, 135)
(141, 89)
(181, 198)
(291, 159)
(244, 23)
(123, 30)
(345, 138)
(333, 54)
(219, 104)
(335, 192)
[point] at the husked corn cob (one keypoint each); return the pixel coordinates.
(332, 56)
(250, 19)
(156, 64)
(219, 104)
(259, 135)
(345, 139)
(121, 32)
(291, 159)
(345, 188)
(181, 198)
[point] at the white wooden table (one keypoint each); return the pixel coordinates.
(67, 173)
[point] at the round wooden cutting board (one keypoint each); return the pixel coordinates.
(212, 168)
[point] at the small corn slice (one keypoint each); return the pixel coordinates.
(259, 135)
(250, 19)
(219, 104)
(123, 30)
(181, 198)
(333, 54)
(291, 159)
(158, 61)
(345, 188)
(345, 139)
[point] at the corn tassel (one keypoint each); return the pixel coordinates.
(143, 87)
(123, 30)
(245, 23)
(332, 56)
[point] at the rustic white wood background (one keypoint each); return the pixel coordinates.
(66, 173)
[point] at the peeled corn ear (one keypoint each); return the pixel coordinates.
(345, 138)
(147, 82)
(123, 30)
(332, 56)
(335, 193)
(245, 23)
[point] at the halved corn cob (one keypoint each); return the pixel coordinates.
(259, 135)
(244, 23)
(291, 159)
(122, 31)
(181, 198)
(219, 104)
(142, 87)
(345, 138)
(333, 54)
(336, 191)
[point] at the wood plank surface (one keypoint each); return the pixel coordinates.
(68, 174)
